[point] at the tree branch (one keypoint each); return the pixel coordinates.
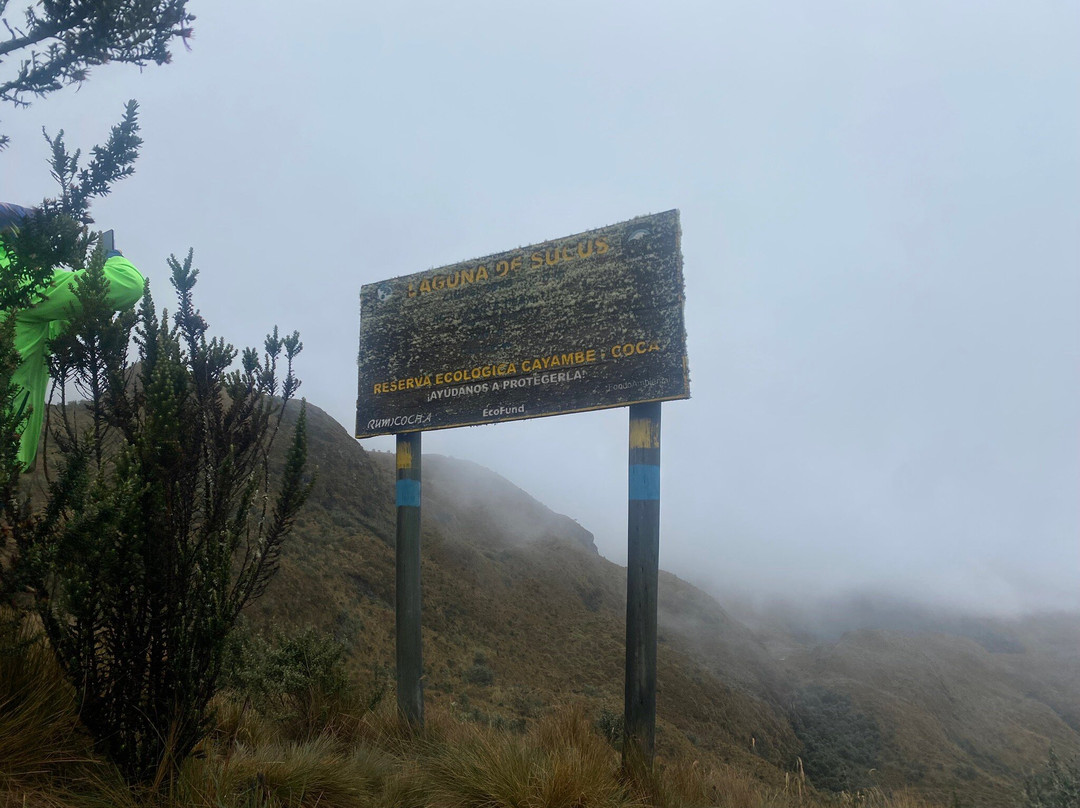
(39, 34)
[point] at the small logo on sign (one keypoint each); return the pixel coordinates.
(639, 241)
(384, 292)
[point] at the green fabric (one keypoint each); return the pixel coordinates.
(45, 319)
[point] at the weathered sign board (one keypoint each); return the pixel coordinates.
(580, 323)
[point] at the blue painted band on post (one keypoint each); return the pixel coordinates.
(644, 482)
(408, 493)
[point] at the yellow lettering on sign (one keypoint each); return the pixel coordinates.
(634, 348)
(504, 267)
(568, 359)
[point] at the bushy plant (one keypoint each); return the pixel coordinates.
(163, 519)
(281, 674)
(611, 725)
(840, 744)
(480, 673)
(53, 235)
(1056, 786)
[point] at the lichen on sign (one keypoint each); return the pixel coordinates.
(585, 322)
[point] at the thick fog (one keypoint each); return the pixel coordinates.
(880, 208)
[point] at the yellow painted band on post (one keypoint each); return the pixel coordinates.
(404, 455)
(644, 434)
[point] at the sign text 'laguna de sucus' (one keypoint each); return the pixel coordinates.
(579, 323)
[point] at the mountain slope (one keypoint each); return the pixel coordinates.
(511, 588)
(521, 613)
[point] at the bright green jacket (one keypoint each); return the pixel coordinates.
(45, 319)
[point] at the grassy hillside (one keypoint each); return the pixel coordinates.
(955, 713)
(336, 753)
(523, 640)
(521, 614)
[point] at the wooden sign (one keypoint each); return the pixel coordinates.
(580, 323)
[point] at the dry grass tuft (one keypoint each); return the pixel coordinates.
(876, 798)
(38, 721)
(46, 759)
(563, 763)
(688, 783)
(299, 775)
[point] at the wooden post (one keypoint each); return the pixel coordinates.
(410, 691)
(642, 571)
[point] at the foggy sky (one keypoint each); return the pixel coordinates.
(880, 208)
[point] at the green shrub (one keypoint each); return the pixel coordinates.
(480, 673)
(282, 675)
(610, 725)
(1056, 786)
(840, 744)
(163, 519)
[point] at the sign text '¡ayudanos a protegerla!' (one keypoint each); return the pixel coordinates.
(571, 359)
(606, 303)
(503, 267)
